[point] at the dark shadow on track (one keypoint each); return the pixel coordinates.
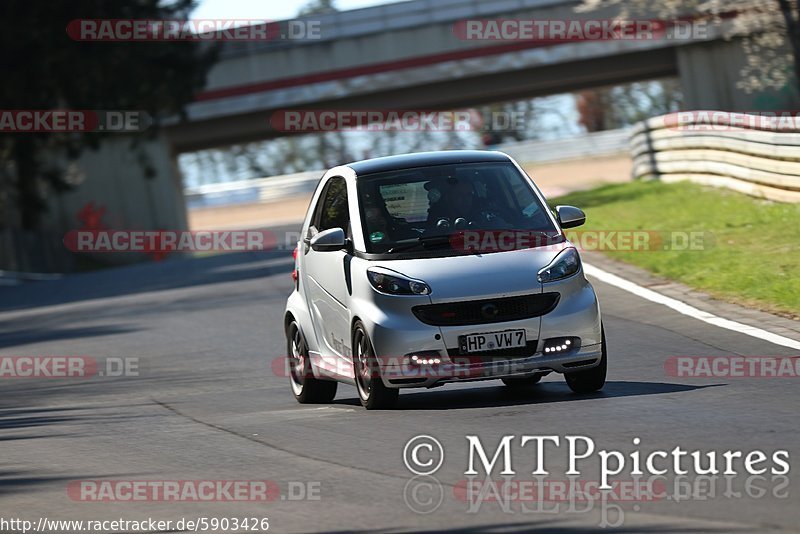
(544, 393)
(28, 422)
(12, 482)
(41, 423)
(545, 527)
(171, 273)
(30, 336)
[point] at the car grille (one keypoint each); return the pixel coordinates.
(486, 311)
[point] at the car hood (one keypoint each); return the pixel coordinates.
(479, 275)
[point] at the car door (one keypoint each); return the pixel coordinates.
(326, 287)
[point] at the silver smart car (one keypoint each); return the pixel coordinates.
(431, 268)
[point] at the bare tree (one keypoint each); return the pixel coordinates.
(616, 107)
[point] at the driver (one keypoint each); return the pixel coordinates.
(458, 201)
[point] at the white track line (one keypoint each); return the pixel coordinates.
(685, 309)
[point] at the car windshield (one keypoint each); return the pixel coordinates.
(452, 208)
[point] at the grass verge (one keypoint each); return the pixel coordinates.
(751, 249)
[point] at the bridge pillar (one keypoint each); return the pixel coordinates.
(709, 74)
(111, 185)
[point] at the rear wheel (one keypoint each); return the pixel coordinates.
(523, 382)
(306, 388)
(592, 379)
(372, 393)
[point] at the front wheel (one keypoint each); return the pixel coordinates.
(592, 379)
(306, 388)
(372, 393)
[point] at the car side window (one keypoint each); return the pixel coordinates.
(334, 212)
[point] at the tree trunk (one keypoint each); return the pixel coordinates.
(29, 201)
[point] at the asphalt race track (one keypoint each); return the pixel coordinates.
(207, 404)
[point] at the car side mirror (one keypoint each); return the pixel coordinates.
(328, 240)
(570, 216)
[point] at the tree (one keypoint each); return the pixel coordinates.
(607, 108)
(317, 7)
(767, 28)
(592, 109)
(44, 69)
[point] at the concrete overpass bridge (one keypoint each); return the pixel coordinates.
(407, 55)
(395, 56)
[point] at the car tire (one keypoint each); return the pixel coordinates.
(523, 382)
(305, 387)
(593, 379)
(372, 392)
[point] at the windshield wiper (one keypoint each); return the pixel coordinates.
(421, 242)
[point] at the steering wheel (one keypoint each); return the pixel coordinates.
(460, 223)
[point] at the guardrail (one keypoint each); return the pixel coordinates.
(758, 155)
(534, 151)
(605, 143)
(256, 190)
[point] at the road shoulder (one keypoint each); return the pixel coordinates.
(749, 316)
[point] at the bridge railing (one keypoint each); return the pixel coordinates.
(755, 154)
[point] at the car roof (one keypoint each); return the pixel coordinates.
(425, 159)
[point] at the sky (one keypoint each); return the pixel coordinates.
(267, 9)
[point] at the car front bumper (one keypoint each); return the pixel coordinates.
(577, 314)
(468, 369)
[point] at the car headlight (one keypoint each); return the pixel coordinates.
(565, 264)
(393, 284)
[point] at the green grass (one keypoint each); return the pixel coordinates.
(752, 256)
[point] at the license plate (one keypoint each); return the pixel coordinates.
(507, 339)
